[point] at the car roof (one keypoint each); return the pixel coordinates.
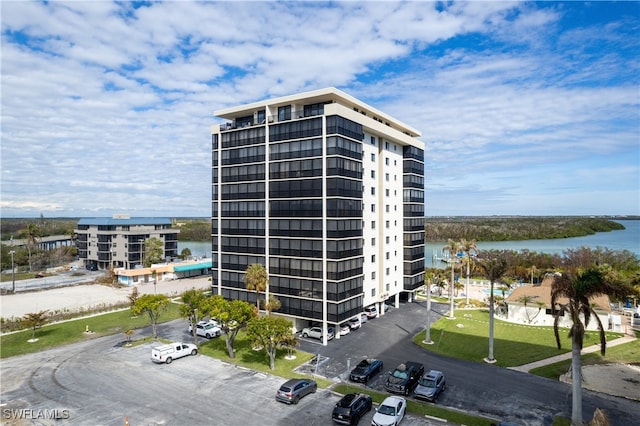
(434, 373)
(392, 400)
(292, 382)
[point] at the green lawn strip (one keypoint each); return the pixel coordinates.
(467, 337)
(258, 360)
(628, 353)
(420, 408)
(63, 333)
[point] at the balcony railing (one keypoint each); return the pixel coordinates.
(295, 115)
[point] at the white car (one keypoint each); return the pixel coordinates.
(390, 412)
(316, 333)
(345, 329)
(371, 312)
(207, 329)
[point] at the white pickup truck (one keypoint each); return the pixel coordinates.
(167, 353)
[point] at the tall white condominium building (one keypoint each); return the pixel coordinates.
(327, 193)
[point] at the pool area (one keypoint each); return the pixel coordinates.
(496, 292)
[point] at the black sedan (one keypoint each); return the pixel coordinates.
(365, 370)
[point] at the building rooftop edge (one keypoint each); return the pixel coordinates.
(326, 93)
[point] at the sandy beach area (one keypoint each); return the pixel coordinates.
(87, 296)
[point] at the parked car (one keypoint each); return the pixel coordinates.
(354, 323)
(345, 329)
(167, 353)
(390, 412)
(292, 390)
(430, 386)
(350, 409)
(371, 312)
(207, 329)
(404, 378)
(365, 370)
(316, 333)
(363, 318)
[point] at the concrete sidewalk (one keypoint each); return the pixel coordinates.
(595, 348)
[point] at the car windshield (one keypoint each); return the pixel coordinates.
(428, 382)
(387, 409)
(346, 401)
(398, 374)
(363, 364)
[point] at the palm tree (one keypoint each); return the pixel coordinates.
(494, 265)
(468, 247)
(255, 279)
(428, 281)
(453, 247)
(571, 293)
(33, 232)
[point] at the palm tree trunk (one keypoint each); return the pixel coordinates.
(466, 290)
(490, 358)
(576, 384)
(427, 336)
(451, 292)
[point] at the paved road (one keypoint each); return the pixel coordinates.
(476, 387)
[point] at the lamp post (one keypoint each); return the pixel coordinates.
(13, 273)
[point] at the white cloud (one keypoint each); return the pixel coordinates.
(106, 108)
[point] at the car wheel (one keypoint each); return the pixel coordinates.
(296, 399)
(208, 336)
(305, 335)
(315, 388)
(168, 361)
(194, 352)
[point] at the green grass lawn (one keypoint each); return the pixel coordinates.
(628, 353)
(467, 337)
(63, 333)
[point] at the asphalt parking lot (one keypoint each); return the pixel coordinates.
(102, 382)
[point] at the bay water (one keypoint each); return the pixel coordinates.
(625, 239)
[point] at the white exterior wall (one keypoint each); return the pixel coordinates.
(392, 207)
(388, 263)
(517, 314)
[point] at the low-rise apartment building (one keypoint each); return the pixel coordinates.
(119, 241)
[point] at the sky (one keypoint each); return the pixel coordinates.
(525, 108)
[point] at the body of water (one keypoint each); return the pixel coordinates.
(626, 239)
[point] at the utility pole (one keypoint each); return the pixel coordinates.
(13, 273)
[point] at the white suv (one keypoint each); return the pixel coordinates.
(207, 329)
(371, 311)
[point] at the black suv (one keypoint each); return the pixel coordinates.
(404, 378)
(350, 409)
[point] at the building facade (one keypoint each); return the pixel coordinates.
(119, 241)
(328, 194)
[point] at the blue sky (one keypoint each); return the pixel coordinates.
(525, 108)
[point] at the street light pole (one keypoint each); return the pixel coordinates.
(13, 273)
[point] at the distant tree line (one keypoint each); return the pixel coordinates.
(20, 228)
(194, 230)
(530, 266)
(514, 229)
